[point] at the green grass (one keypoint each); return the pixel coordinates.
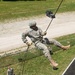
(36, 64)
(24, 9)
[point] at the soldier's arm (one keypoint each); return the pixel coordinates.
(24, 35)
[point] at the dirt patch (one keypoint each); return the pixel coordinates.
(10, 33)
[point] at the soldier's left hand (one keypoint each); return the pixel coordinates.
(45, 33)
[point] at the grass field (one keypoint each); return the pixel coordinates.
(24, 9)
(36, 64)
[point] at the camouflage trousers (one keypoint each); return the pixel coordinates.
(43, 46)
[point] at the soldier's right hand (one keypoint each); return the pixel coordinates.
(28, 43)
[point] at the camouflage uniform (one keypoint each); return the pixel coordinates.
(39, 41)
(10, 71)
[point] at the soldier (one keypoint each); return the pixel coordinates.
(36, 35)
(10, 71)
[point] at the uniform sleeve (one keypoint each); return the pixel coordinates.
(24, 35)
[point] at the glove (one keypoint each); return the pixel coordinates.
(45, 33)
(28, 43)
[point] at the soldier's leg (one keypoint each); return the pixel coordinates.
(58, 44)
(47, 43)
(46, 53)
